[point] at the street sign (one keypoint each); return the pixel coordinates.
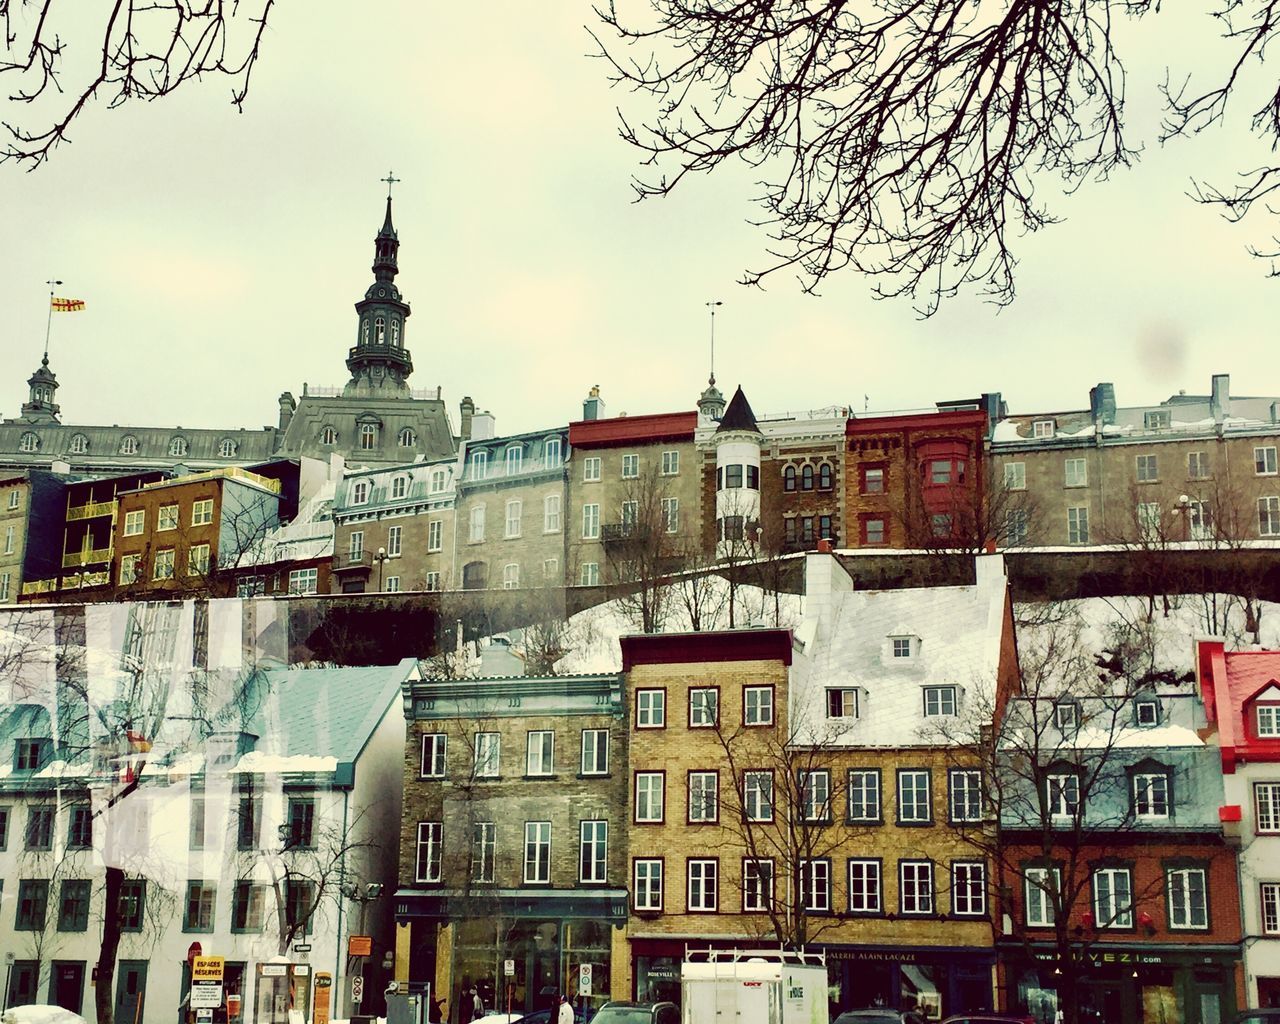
(273, 970)
(203, 1015)
(206, 968)
(206, 995)
(302, 947)
(509, 968)
(324, 981)
(359, 945)
(357, 989)
(584, 979)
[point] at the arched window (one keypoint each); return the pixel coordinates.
(551, 451)
(128, 445)
(438, 480)
(368, 436)
(79, 444)
(364, 331)
(379, 331)
(178, 446)
(399, 486)
(515, 458)
(395, 331)
(407, 438)
(789, 478)
(824, 477)
(806, 478)
(226, 448)
(328, 436)
(29, 443)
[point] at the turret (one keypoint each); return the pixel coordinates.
(42, 385)
(737, 442)
(379, 362)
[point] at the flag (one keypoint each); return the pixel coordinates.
(67, 305)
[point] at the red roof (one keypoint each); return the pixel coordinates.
(954, 419)
(658, 426)
(705, 647)
(1229, 680)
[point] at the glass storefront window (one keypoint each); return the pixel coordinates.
(918, 984)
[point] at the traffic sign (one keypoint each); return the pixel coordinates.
(357, 989)
(359, 945)
(584, 979)
(207, 968)
(509, 968)
(206, 995)
(302, 947)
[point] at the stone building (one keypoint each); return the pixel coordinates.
(513, 842)
(32, 503)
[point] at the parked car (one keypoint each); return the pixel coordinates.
(985, 1017)
(637, 1013)
(879, 1015)
(1266, 1016)
(498, 1018)
(580, 1016)
(40, 1014)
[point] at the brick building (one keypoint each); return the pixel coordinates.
(513, 841)
(32, 507)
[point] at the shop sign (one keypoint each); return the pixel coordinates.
(1101, 959)
(273, 970)
(898, 956)
(359, 945)
(324, 981)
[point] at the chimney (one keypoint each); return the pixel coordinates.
(824, 577)
(59, 467)
(1220, 397)
(1275, 411)
(483, 426)
(466, 410)
(989, 571)
(287, 406)
(996, 409)
(593, 404)
(1102, 404)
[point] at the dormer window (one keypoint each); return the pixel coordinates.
(1158, 420)
(515, 458)
(551, 451)
(407, 438)
(842, 703)
(1043, 428)
(368, 437)
(128, 445)
(29, 442)
(227, 448)
(1146, 712)
(479, 464)
(178, 446)
(940, 701)
(379, 330)
(1268, 720)
(360, 493)
(1062, 794)
(399, 487)
(1066, 717)
(79, 444)
(31, 755)
(438, 480)
(328, 436)
(1151, 795)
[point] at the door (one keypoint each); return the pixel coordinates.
(24, 979)
(68, 984)
(1103, 1004)
(131, 987)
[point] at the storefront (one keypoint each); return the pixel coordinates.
(1150, 984)
(520, 951)
(934, 981)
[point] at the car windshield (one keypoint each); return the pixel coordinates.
(623, 1015)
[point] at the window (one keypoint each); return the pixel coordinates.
(196, 821)
(915, 887)
(435, 535)
(551, 513)
(757, 884)
(248, 906)
(79, 827)
(478, 465)
(1270, 897)
(434, 747)
(815, 795)
(29, 442)
(510, 576)
(31, 755)
(1077, 526)
(476, 524)
(487, 754)
(757, 796)
(550, 568)
(815, 885)
(133, 903)
(671, 515)
(913, 797)
(1146, 713)
(1015, 476)
(79, 444)
(1197, 466)
(198, 560)
(1266, 799)
(299, 901)
(39, 828)
(589, 574)
(484, 844)
(649, 787)
(1042, 886)
(551, 451)
(1200, 520)
(965, 794)
(1188, 898)
(135, 522)
(300, 819)
(842, 703)
(757, 705)
(1015, 526)
(702, 889)
(703, 707)
(394, 534)
(360, 492)
(355, 548)
(167, 518)
(1077, 473)
(651, 709)
(433, 582)
(439, 480)
(4, 586)
(304, 581)
(825, 479)
(1151, 795)
(1112, 898)
(864, 887)
(537, 852)
(201, 899)
(864, 794)
(806, 477)
(873, 479)
(1063, 792)
(901, 647)
(128, 445)
(227, 448)
(1264, 461)
(595, 752)
(399, 486)
(630, 466)
(1159, 419)
(1042, 428)
(646, 888)
(539, 752)
(14, 498)
(1268, 719)
(670, 463)
(202, 512)
(591, 522)
(1148, 518)
(368, 437)
(514, 459)
(733, 477)
(177, 446)
(328, 436)
(593, 851)
(248, 821)
(1066, 717)
(1268, 517)
(940, 471)
(428, 856)
(704, 797)
(630, 515)
(969, 888)
(1148, 472)
(939, 701)
(395, 336)
(73, 905)
(406, 438)
(873, 531)
(789, 478)
(33, 904)
(591, 469)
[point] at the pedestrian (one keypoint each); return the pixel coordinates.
(477, 1007)
(565, 1016)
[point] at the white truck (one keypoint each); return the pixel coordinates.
(754, 986)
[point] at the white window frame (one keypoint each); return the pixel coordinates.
(1041, 886)
(550, 568)
(670, 463)
(595, 752)
(969, 888)
(651, 709)
(399, 485)
(395, 541)
(484, 850)
(1146, 468)
(646, 884)
(1075, 473)
(591, 521)
(167, 517)
(551, 513)
(1269, 516)
(202, 512)
(304, 581)
(475, 524)
(439, 480)
(1151, 796)
(1015, 476)
(704, 797)
(1198, 465)
(427, 857)
(435, 535)
(704, 707)
(707, 885)
(1264, 460)
(487, 757)
(129, 569)
(135, 522)
(865, 782)
(591, 469)
(355, 545)
(198, 560)
(511, 576)
(1269, 907)
(1266, 807)
(915, 888)
(593, 852)
(815, 885)
(360, 492)
(537, 853)
(757, 884)
(900, 648)
(1146, 712)
(551, 451)
(815, 795)
(433, 581)
(870, 886)
(671, 514)
(1078, 524)
(650, 798)
(757, 796)
(540, 751)
(1062, 795)
(1043, 428)
(941, 701)
(631, 466)
(1066, 716)
(1181, 899)
(919, 814)
(165, 564)
(589, 574)
(1111, 907)
(431, 764)
(1268, 719)
(964, 795)
(513, 518)
(757, 705)
(842, 702)
(513, 459)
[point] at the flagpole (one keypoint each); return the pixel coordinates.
(49, 321)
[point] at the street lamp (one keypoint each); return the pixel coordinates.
(381, 558)
(1183, 509)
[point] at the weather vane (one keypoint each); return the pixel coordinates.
(712, 306)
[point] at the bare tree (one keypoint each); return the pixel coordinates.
(57, 59)
(967, 517)
(643, 549)
(697, 590)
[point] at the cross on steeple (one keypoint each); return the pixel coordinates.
(390, 179)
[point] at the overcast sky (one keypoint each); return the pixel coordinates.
(219, 254)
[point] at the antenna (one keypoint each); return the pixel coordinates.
(712, 306)
(49, 320)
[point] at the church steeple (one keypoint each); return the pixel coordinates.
(379, 362)
(43, 385)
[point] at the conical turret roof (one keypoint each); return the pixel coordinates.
(738, 416)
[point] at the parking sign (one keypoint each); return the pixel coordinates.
(584, 979)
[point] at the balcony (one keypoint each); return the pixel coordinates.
(39, 587)
(373, 352)
(623, 534)
(82, 580)
(347, 561)
(91, 511)
(76, 559)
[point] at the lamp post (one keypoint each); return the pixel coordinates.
(363, 895)
(381, 558)
(1183, 509)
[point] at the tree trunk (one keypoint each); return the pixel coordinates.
(104, 987)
